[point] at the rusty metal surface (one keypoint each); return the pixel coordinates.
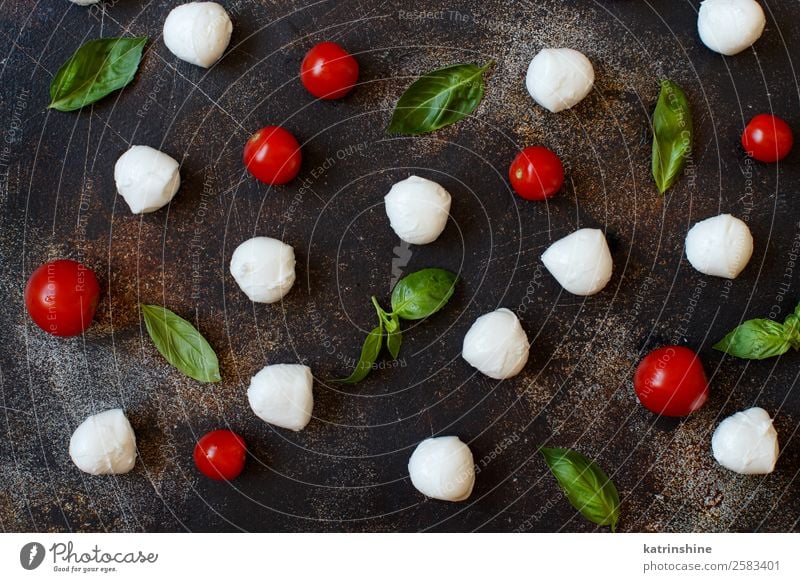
(347, 470)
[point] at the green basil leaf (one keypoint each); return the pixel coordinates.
(98, 68)
(394, 339)
(369, 353)
(181, 344)
(438, 99)
(672, 134)
(757, 339)
(792, 329)
(422, 293)
(586, 485)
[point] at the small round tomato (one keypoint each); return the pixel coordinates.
(62, 296)
(671, 381)
(272, 155)
(220, 455)
(328, 71)
(767, 138)
(536, 173)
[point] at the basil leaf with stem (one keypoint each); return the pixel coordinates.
(394, 337)
(423, 293)
(181, 344)
(758, 339)
(96, 69)
(369, 353)
(672, 135)
(585, 484)
(437, 99)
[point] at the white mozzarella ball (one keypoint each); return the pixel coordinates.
(730, 26)
(442, 468)
(720, 246)
(281, 394)
(581, 262)
(104, 444)
(746, 442)
(496, 345)
(263, 268)
(146, 178)
(84, 2)
(198, 32)
(559, 78)
(418, 209)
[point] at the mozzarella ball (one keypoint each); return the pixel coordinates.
(580, 262)
(146, 178)
(281, 395)
(198, 32)
(720, 246)
(418, 209)
(442, 468)
(496, 345)
(559, 78)
(263, 268)
(730, 26)
(84, 2)
(104, 444)
(746, 442)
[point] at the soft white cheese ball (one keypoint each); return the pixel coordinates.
(198, 32)
(746, 442)
(418, 209)
(84, 2)
(442, 468)
(720, 246)
(730, 26)
(559, 78)
(281, 394)
(104, 444)
(146, 178)
(263, 268)
(496, 345)
(581, 262)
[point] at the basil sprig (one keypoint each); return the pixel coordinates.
(414, 297)
(98, 68)
(181, 344)
(438, 99)
(758, 339)
(585, 484)
(672, 135)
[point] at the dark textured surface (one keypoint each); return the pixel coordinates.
(347, 470)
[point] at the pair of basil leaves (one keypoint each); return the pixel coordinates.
(758, 339)
(414, 297)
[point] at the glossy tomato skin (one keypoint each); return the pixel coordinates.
(536, 173)
(328, 71)
(220, 455)
(272, 155)
(61, 297)
(767, 138)
(671, 381)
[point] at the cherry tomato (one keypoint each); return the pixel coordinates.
(536, 173)
(220, 455)
(767, 138)
(62, 296)
(272, 155)
(328, 71)
(671, 381)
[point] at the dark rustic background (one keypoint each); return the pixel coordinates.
(347, 470)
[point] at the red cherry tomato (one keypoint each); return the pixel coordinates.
(671, 381)
(220, 455)
(536, 173)
(62, 296)
(272, 155)
(767, 138)
(328, 71)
